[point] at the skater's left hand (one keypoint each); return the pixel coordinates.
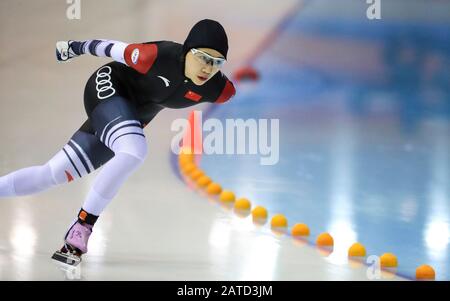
(64, 52)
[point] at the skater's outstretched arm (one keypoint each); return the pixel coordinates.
(137, 56)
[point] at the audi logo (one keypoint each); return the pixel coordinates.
(103, 83)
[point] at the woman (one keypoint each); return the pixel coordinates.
(120, 99)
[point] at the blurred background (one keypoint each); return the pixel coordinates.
(364, 109)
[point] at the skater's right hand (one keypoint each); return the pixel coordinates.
(64, 52)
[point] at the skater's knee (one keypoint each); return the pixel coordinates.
(68, 165)
(52, 174)
(46, 174)
(133, 145)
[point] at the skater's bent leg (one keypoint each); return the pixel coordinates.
(130, 152)
(115, 123)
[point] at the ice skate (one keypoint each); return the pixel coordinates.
(68, 255)
(75, 244)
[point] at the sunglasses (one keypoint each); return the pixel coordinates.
(207, 59)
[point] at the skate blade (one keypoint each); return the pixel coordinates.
(67, 258)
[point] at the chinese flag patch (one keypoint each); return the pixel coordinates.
(192, 96)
